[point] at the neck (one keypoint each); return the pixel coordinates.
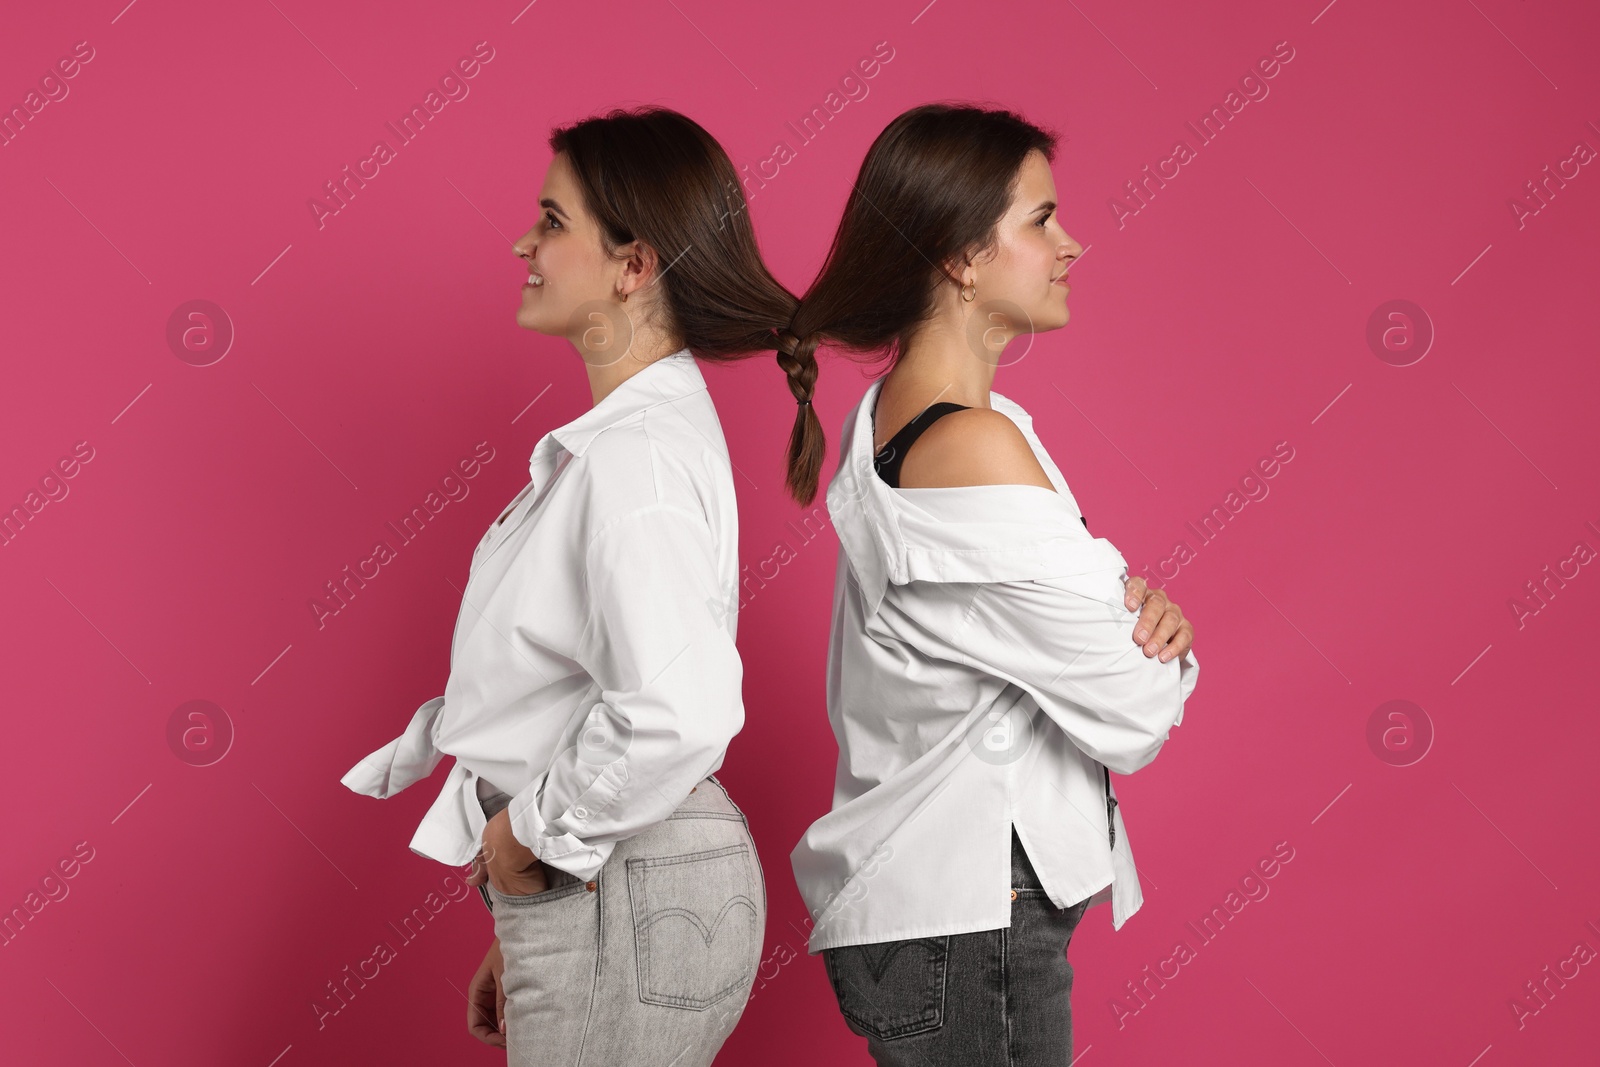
(939, 359)
(608, 370)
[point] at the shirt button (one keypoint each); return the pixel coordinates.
(591, 886)
(582, 813)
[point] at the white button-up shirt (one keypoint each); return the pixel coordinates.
(982, 674)
(593, 673)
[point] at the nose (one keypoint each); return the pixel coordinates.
(523, 247)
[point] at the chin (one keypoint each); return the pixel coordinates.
(531, 318)
(1059, 313)
(1050, 318)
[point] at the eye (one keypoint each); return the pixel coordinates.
(1044, 219)
(551, 220)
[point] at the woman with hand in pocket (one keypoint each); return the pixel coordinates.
(594, 682)
(990, 662)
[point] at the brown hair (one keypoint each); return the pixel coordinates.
(934, 185)
(654, 175)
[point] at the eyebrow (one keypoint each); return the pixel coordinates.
(1048, 205)
(553, 206)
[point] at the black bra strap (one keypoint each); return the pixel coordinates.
(889, 458)
(893, 453)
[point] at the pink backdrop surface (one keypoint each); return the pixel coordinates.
(1376, 266)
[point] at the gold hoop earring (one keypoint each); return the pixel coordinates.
(624, 298)
(969, 291)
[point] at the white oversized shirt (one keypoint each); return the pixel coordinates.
(593, 673)
(982, 673)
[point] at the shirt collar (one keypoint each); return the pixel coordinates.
(973, 533)
(663, 381)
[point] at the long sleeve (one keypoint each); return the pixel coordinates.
(658, 645)
(1068, 643)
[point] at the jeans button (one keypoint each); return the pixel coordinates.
(591, 886)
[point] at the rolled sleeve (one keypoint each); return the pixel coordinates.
(659, 646)
(409, 758)
(1068, 643)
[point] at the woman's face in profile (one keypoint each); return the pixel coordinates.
(1022, 278)
(570, 275)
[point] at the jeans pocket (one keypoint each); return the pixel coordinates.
(696, 925)
(561, 884)
(892, 988)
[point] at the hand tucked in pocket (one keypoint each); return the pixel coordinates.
(506, 863)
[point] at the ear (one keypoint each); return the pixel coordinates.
(958, 269)
(639, 266)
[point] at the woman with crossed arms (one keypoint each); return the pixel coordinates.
(989, 661)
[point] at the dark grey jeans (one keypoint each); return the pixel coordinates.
(994, 998)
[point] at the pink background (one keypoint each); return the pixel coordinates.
(1227, 314)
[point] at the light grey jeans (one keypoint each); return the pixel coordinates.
(649, 964)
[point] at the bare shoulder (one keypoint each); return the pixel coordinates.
(976, 446)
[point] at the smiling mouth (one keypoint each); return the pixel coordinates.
(534, 281)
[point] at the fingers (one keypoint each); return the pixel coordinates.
(1168, 625)
(1156, 605)
(1170, 635)
(1181, 642)
(485, 1007)
(1134, 591)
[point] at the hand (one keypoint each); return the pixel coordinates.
(486, 1000)
(1161, 626)
(507, 864)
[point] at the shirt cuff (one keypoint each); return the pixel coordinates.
(559, 841)
(1188, 676)
(409, 758)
